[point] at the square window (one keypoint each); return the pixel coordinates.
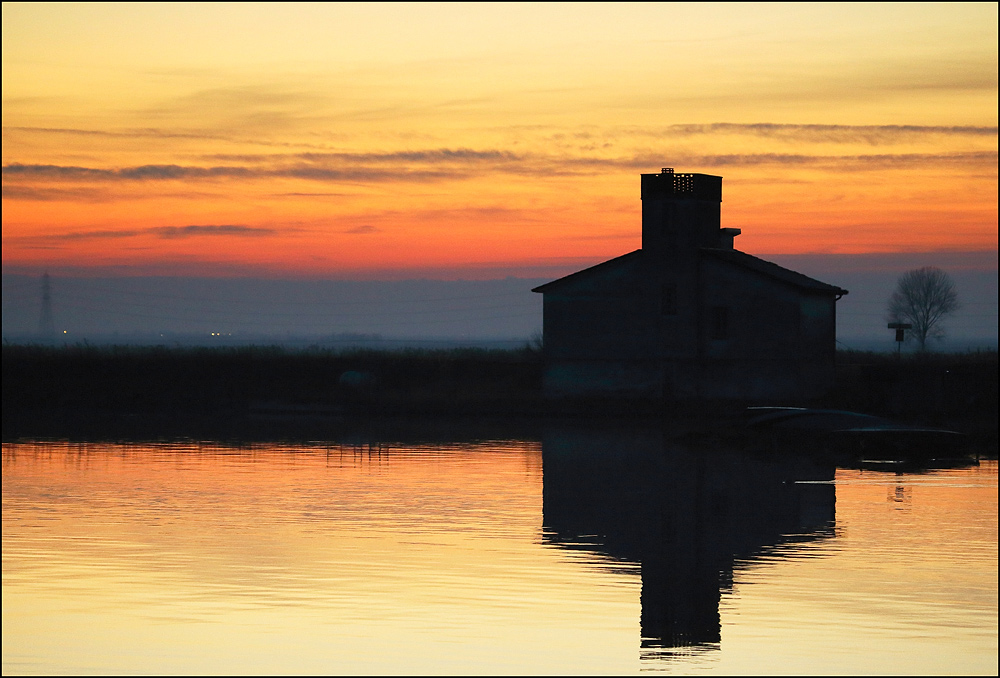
(720, 322)
(668, 300)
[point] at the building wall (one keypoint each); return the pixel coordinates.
(608, 334)
(779, 342)
(600, 336)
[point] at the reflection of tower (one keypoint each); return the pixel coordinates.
(45, 325)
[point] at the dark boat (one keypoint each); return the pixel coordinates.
(861, 437)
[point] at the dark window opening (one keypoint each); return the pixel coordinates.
(670, 237)
(668, 300)
(720, 322)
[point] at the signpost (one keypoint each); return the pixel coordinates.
(900, 337)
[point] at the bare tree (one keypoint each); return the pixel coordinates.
(923, 298)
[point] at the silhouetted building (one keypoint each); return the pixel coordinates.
(688, 316)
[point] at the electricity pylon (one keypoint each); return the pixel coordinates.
(46, 327)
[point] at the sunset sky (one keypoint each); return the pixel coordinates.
(361, 140)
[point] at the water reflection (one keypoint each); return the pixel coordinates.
(687, 516)
(584, 549)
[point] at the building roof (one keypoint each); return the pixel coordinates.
(587, 272)
(735, 257)
(773, 271)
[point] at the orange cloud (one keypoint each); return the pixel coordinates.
(435, 149)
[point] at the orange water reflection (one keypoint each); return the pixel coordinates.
(275, 560)
(585, 552)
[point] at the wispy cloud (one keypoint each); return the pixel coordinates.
(843, 163)
(139, 172)
(252, 109)
(191, 172)
(164, 232)
(596, 137)
(870, 134)
(434, 155)
(447, 164)
(251, 97)
(50, 194)
(364, 229)
(140, 133)
(14, 133)
(315, 194)
(107, 234)
(212, 229)
(763, 135)
(45, 191)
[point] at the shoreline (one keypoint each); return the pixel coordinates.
(49, 388)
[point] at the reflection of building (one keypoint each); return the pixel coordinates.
(685, 517)
(688, 316)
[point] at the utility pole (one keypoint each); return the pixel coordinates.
(46, 327)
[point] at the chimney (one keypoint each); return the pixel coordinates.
(726, 236)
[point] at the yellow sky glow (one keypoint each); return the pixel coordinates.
(327, 139)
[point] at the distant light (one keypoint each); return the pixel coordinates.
(64, 331)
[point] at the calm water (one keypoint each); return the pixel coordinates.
(585, 551)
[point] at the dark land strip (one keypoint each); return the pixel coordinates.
(256, 391)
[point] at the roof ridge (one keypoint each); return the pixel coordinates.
(587, 270)
(774, 270)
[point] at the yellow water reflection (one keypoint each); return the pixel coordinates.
(347, 560)
(577, 554)
(909, 585)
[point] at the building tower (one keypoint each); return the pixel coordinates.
(681, 212)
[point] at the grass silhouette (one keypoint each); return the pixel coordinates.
(51, 383)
